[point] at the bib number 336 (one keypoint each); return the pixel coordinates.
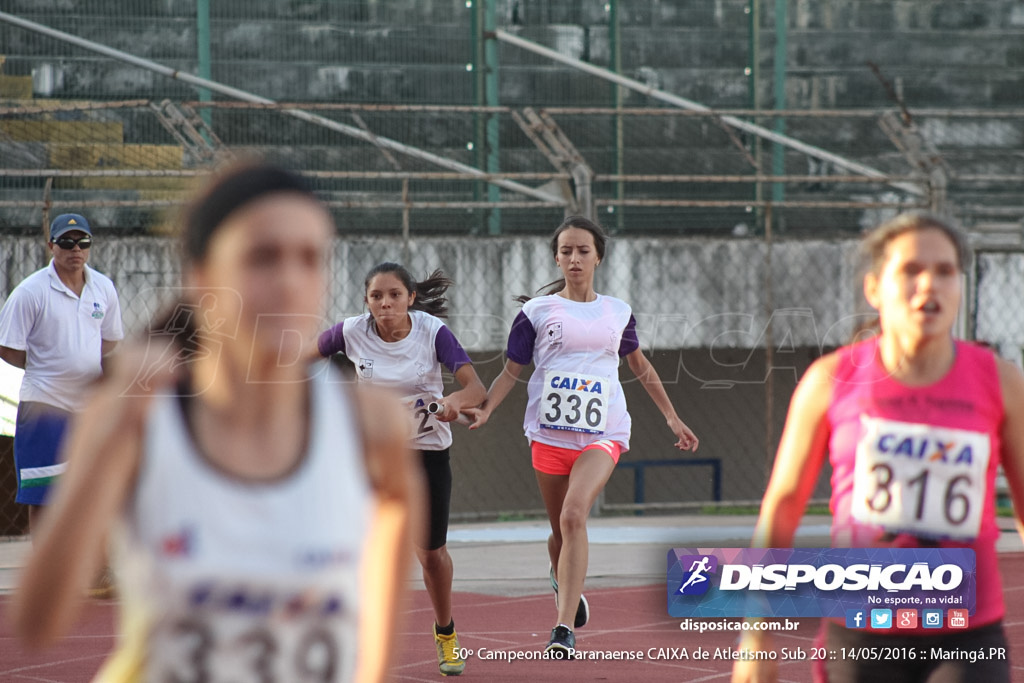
(573, 402)
(920, 479)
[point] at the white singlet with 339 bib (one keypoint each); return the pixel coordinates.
(226, 580)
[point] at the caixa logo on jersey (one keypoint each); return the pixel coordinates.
(802, 582)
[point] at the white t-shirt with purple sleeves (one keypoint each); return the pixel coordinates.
(410, 366)
(574, 394)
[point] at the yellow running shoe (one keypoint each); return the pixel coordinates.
(104, 588)
(449, 661)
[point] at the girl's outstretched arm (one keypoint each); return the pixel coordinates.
(500, 388)
(686, 440)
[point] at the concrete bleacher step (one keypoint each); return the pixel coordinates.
(59, 106)
(15, 87)
(108, 155)
(155, 187)
(34, 130)
(43, 140)
(103, 156)
(172, 40)
(997, 235)
(111, 216)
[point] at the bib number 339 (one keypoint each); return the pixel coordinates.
(573, 402)
(212, 650)
(920, 479)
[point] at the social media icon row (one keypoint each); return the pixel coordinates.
(905, 618)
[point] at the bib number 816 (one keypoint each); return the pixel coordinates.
(956, 506)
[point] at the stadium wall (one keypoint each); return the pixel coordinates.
(685, 292)
(703, 311)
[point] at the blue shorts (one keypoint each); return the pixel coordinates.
(38, 433)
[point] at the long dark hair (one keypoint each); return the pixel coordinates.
(600, 242)
(228, 191)
(430, 292)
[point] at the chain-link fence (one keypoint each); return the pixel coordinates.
(735, 293)
(733, 229)
(730, 324)
(410, 170)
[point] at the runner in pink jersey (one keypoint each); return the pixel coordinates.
(907, 389)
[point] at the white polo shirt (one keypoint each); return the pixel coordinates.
(61, 333)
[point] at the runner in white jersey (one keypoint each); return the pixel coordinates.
(574, 391)
(402, 344)
(260, 507)
(576, 419)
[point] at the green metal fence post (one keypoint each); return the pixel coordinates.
(753, 72)
(203, 52)
(479, 141)
(491, 98)
(615, 48)
(778, 151)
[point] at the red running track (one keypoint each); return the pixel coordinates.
(624, 620)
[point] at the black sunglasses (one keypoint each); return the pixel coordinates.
(70, 242)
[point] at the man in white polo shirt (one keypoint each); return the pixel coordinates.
(56, 325)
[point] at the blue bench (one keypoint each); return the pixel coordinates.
(638, 467)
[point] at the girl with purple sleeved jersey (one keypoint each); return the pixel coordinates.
(402, 344)
(576, 419)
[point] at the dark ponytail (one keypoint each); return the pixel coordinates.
(600, 242)
(430, 292)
